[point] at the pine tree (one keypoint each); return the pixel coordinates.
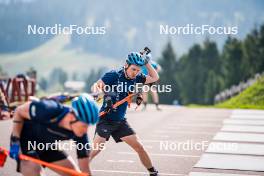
(189, 78)
(168, 64)
(232, 57)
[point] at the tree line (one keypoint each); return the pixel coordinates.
(198, 75)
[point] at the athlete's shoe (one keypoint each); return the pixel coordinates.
(158, 108)
(155, 173)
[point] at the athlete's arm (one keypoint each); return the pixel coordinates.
(98, 86)
(152, 74)
(84, 165)
(21, 113)
(158, 68)
(83, 153)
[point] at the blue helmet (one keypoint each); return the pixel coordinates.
(86, 109)
(136, 59)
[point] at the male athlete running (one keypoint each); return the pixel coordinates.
(47, 121)
(114, 122)
(153, 89)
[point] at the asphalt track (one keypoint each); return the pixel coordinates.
(165, 135)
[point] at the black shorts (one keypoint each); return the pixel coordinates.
(153, 83)
(30, 137)
(116, 129)
(44, 155)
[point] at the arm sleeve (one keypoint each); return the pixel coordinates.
(141, 78)
(46, 110)
(154, 65)
(110, 77)
(82, 146)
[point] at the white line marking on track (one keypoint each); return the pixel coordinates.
(185, 132)
(120, 161)
(136, 173)
(148, 146)
(150, 140)
(162, 154)
(194, 125)
(157, 135)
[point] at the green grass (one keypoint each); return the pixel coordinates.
(251, 98)
(199, 106)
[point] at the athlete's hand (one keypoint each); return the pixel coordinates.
(98, 96)
(5, 115)
(139, 100)
(109, 104)
(14, 147)
(148, 58)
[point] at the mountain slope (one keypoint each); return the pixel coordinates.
(53, 54)
(129, 26)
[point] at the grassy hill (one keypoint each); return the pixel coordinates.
(53, 54)
(252, 97)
